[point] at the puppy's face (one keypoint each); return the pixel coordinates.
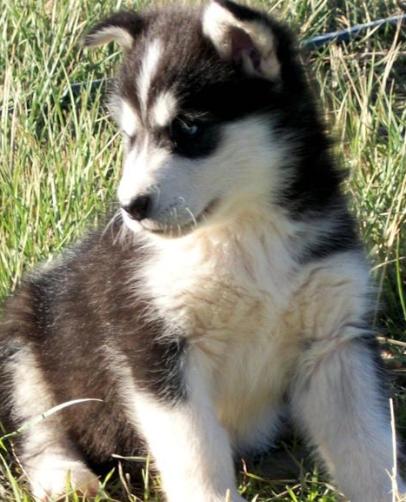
(197, 102)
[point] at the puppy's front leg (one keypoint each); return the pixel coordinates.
(337, 399)
(190, 448)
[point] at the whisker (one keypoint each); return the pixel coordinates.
(111, 222)
(191, 215)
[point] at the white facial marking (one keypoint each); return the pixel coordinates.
(148, 70)
(139, 172)
(164, 109)
(110, 34)
(129, 121)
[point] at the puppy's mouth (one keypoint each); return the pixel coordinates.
(174, 230)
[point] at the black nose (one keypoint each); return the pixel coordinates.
(139, 208)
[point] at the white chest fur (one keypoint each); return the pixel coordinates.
(246, 308)
(229, 292)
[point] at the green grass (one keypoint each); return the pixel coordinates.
(60, 164)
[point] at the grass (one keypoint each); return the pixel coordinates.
(60, 161)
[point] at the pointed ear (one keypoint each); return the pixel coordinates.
(122, 27)
(243, 36)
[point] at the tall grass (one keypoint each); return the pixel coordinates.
(60, 161)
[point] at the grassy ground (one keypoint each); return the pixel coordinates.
(60, 160)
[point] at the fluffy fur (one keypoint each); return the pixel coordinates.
(231, 290)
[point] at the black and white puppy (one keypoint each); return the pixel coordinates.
(232, 287)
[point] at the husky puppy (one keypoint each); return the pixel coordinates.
(231, 289)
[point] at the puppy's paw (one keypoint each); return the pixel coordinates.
(52, 476)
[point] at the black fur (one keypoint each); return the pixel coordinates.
(66, 314)
(343, 236)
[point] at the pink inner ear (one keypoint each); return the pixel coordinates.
(242, 45)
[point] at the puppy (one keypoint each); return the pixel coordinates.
(231, 288)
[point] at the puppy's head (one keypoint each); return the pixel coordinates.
(202, 99)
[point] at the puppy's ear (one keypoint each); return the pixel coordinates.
(243, 36)
(122, 27)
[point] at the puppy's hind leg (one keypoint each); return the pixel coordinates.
(47, 455)
(336, 398)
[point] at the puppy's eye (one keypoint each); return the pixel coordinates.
(181, 129)
(191, 129)
(192, 137)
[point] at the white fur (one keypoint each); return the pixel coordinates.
(164, 109)
(217, 21)
(128, 119)
(110, 34)
(139, 172)
(49, 458)
(191, 450)
(148, 70)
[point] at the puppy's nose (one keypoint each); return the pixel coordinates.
(139, 207)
